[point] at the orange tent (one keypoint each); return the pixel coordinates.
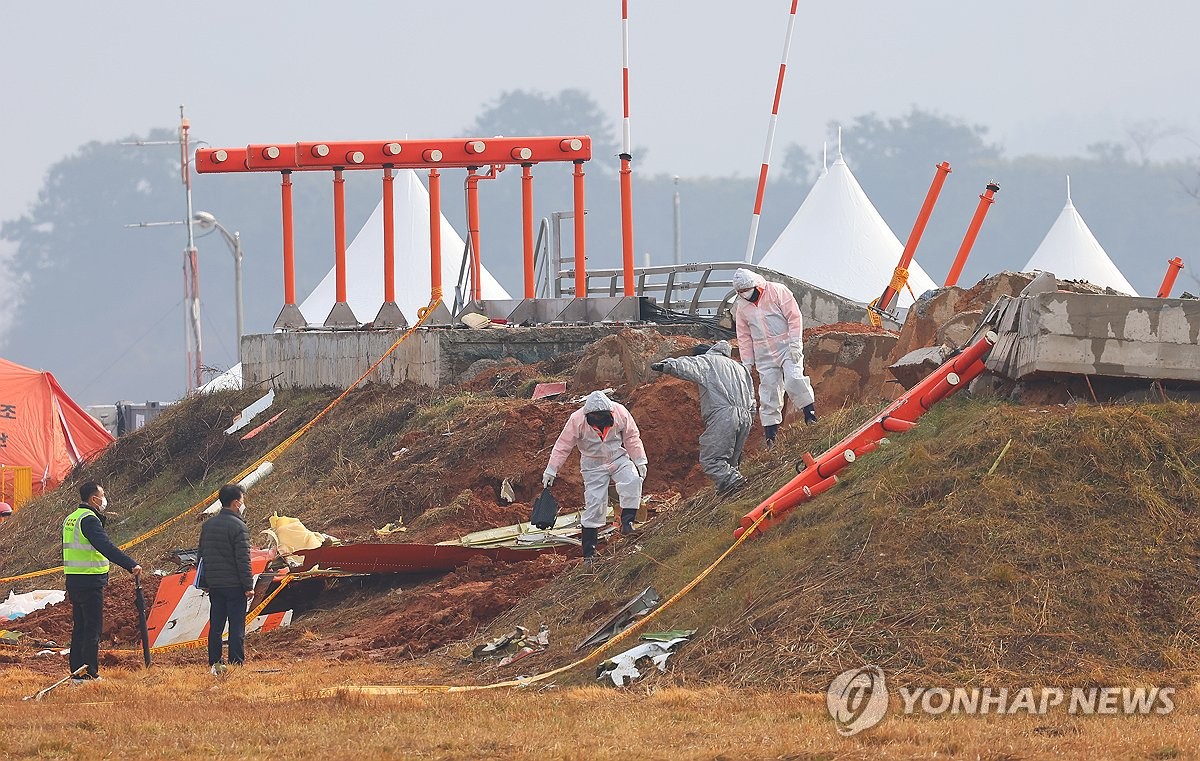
(42, 427)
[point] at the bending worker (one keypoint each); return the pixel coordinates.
(610, 449)
(726, 404)
(770, 335)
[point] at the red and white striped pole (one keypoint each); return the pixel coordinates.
(762, 173)
(626, 157)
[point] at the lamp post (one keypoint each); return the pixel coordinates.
(206, 221)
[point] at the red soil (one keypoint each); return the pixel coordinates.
(120, 627)
(846, 327)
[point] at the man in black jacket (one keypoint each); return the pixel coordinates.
(225, 553)
(87, 552)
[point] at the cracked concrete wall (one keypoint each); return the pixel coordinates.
(431, 357)
(1083, 334)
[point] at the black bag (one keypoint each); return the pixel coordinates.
(545, 510)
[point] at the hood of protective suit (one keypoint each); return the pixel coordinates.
(744, 279)
(721, 347)
(597, 401)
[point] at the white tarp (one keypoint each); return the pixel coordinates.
(838, 241)
(17, 605)
(1071, 252)
(364, 260)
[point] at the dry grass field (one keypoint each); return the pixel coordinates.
(266, 711)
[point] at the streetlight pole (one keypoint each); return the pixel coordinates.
(237, 288)
(207, 221)
(191, 265)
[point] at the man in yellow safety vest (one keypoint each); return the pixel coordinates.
(87, 551)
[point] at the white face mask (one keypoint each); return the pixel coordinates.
(242, 509)
(103, 503)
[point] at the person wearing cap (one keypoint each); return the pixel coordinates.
(610, 449)
(770, 335)
(87, 553)
(726, 404)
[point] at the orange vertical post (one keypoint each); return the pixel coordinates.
(339, 235)
(580, 236)
(435, 235)
(389, 238)
(289, 246)
(626, 224)
(473, 230)
(986, 199)
(914, 237)
(1173, 268)
(527, 226)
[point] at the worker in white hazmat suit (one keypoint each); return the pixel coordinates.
(610, 449)
(726, 404)
(770, 334)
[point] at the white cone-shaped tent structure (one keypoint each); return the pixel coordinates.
(364, 261)
(364, 267)
(1071, 252)
(838, 241)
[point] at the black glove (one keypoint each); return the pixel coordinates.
(658, 367)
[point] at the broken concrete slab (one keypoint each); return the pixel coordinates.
(958, 331)
(848, 368)
(914, 366)
(1097, 335)
(935, 309)
(924, 318)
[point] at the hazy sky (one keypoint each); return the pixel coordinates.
(1046, 76)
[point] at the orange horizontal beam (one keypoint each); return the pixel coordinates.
(401, 154)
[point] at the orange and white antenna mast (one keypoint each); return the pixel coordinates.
(191, 266)
(626, 158)
(762, 173)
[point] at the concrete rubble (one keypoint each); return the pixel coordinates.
(1057, 339)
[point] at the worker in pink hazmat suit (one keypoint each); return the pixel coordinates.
(610, 449)
(770, 335)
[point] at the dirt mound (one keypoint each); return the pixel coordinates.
(507, 377)
(927, 565)
(854, 328)
(120, 622)
(393, 622)
(1075, 559)
(624, 359)
(950, 315)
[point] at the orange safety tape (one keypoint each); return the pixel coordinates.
(269, 456)
(899, 279)
(527, 681)
(203, 641)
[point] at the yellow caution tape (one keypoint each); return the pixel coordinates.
(414, 689)
(271, 456)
